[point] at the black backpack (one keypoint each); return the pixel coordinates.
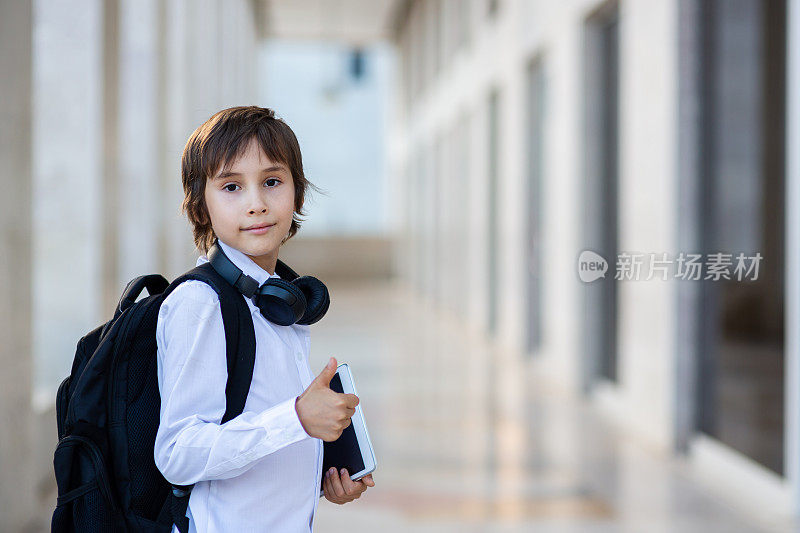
(108, 412)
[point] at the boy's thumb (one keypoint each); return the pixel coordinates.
(324, 377)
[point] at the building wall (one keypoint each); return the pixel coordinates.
(109, 139)
(495, 57)
(94, 119)
(452, 55)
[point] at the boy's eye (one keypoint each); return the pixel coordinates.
(231, 187)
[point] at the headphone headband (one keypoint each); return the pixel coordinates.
(234, 275)
(285, 300)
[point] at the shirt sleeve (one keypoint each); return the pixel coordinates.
(191, 444)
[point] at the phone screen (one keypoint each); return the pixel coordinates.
(344, 451)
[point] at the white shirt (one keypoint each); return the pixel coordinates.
(259, 471)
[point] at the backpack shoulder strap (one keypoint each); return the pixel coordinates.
(240, 353)
(240, 338)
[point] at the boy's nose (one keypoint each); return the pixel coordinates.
(258, 204)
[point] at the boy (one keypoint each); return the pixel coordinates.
(243, 181)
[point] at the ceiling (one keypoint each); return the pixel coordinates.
(355, 22)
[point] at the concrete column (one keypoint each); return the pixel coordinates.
(67, 162)
(162, 131)
(202, 61)
(110, 151)
(177, 125)
(138, 217)
(16, 35)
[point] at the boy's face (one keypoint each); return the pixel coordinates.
(254, 191)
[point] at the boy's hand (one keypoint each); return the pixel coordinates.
(324, 413)
(342, 489)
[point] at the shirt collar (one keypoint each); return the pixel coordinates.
(244, 263)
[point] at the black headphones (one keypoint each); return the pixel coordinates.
(290, 299)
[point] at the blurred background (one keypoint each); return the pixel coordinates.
(469, 151)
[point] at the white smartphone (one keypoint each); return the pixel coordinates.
(353, 449)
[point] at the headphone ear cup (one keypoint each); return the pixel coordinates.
(281, 302)
(317, 298)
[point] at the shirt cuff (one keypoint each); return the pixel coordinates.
(284, 418)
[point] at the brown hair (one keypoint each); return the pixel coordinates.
(219, 141)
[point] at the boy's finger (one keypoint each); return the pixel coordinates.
(328, 487)
(352, 488)
(364, 482)
(351, 400)
(329, 493)
(336, 483)
(323, 379)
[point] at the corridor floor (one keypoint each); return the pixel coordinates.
(467, 440)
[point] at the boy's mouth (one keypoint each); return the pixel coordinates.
(258, 228)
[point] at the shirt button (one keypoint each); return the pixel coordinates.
(299, 356)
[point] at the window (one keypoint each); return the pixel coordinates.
(357, 64)
(601, 172)
(534, 139)
(492, 207)
(741, 357)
